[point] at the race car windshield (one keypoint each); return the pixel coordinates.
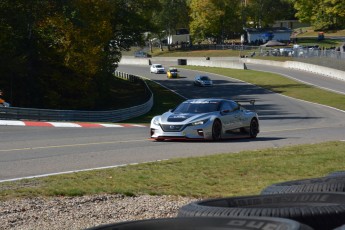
(197, 107)
(204, 78)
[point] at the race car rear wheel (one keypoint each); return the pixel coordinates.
(254, 128)
(217, 130)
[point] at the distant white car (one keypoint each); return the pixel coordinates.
(157, 68)
(287, 51)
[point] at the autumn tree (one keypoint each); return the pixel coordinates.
(325, 14)
(72, 42)
(172, 15)
(168, 16)
(214, 19)
(262, 13)
(57, 52)
(19, 48)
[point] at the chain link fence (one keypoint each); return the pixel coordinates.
(323, 57)
(333, 58)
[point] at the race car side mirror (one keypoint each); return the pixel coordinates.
(224, 111)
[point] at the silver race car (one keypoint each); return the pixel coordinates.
(207, 119)
(203, 81)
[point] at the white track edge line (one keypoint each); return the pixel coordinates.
(76, 171)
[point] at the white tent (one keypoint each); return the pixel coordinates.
(273, 43)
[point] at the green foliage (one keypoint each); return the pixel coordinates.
(327, 14)
(214, 19)
(225, 19)
(218, 19)
(56, 52)
(171, 15)
(262, 13)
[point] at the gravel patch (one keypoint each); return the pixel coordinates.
(86, 211)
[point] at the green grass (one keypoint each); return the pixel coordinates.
(280, 84)
(310, 32)
(164, 100)
(327, 43)
(220, 175)
(200, 53)
(123, 91)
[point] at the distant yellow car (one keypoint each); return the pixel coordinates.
(172, 73)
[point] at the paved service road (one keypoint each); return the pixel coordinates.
(32, 151)
(306, 77)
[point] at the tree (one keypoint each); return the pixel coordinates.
(19, 48)
(331, 15)
(72, 42)
(173, 14)
(325, 14)
(168, 16)
(214, 19)
(262, 13)
(58, 51)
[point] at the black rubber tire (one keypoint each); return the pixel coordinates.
(207, 223)
(254, 128)
(317, 210)
(322, 184)
(217, 130)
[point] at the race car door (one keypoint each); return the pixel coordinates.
(230, 115)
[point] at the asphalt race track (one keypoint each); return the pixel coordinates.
(39, 151)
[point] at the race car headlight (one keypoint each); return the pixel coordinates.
(199, 122)
(155, 121)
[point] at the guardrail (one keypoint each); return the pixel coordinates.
(18, 113)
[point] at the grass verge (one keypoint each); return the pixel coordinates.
(164, 100)
(280, 84)
(235, 174)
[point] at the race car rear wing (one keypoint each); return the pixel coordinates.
(252, 102)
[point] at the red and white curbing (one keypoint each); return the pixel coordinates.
(66, 124)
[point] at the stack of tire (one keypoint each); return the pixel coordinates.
(207, 223)
(316, 203)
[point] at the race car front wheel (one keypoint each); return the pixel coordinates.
(217, 130)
